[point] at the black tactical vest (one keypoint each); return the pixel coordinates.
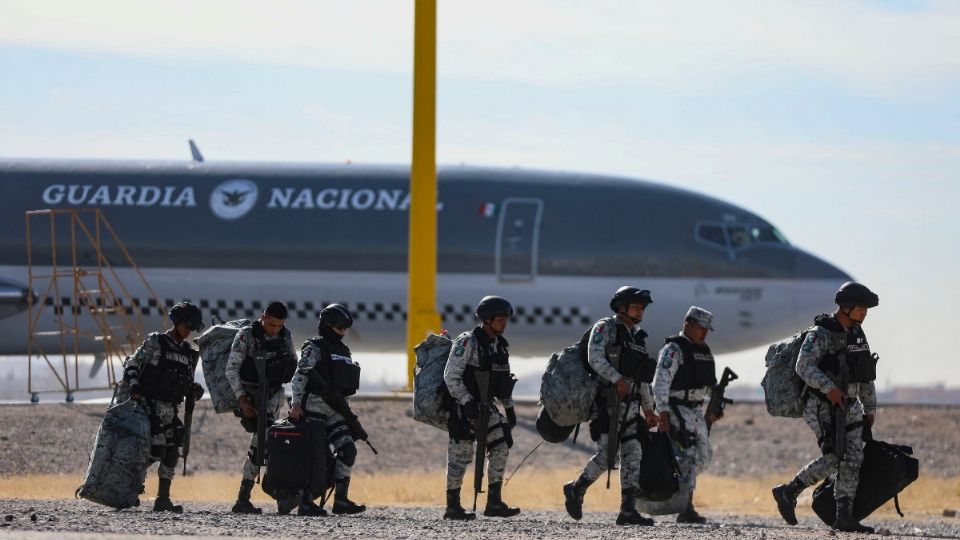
(635, 361)
(280, 365)
(852, 344)
(335, 366)
(172, 377)
(494, 357)
(698, 368)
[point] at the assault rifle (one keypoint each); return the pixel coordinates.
(260, 362)
(840, 415)
(189, 402)
(613, 419)
(329, 394)
(482, 428)
(717, 402)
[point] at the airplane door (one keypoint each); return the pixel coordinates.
(518, 233)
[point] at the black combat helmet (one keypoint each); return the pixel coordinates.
(337, 316)
(630, 295)
(186, 313)
(493, 306)
(852, 294)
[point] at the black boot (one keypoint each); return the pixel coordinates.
(689, 514)
(163, 502)
(628, 511)
(454, 510)
(495, 505)
(845, 521)
(343, 505)
(786, 497)
(308, 507)
(573, 493)
(243, 504)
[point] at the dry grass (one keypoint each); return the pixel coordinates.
(532, 488)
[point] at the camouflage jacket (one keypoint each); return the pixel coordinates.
(815, 345)
(244, 345)
(603, 335)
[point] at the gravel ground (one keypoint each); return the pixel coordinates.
(213, 520)
(57, 438)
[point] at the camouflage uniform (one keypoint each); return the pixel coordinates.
(338, 432)
(166, 430)
(244, 346)
(460, 453)
(696, 456)
(818, 413)
(603, 335)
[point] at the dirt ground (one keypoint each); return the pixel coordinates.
(57, 438)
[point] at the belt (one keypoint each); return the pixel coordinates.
(686, 403)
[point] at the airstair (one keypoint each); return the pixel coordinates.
(75, 261)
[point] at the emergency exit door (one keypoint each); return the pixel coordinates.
(518, 232)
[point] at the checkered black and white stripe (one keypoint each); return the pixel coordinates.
(362, 311)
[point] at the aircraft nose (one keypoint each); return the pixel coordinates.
(816, 283)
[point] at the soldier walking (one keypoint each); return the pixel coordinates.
(330, 358)
(834, 346)
(481, 350)
(269, 339)
(160, 375)
(686, 374)
(631, 381)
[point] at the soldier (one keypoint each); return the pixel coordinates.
(481, 349)
(632, 384)
(159, 375)
(686, 374)
(268, 338)
(836, 340)
(329, 356)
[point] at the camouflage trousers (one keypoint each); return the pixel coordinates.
(166, 436)
(630, 452)
(694, 457)
(250, 468)
(338, 435)
(460, 454)
(819, 416)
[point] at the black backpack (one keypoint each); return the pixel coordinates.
(659, 472)
(298, 458)
(887, 469)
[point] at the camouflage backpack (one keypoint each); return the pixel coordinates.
(784, 391)
(430, 395)
(215, 346)
(120, 457)
(567, 390)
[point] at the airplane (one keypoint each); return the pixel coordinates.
(230, 237)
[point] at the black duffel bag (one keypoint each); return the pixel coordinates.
(887, 469)
(659, 472)
(549, 430)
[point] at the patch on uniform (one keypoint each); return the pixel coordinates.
(809, 342)
(597, 337)
(458, 351)
(667, 361)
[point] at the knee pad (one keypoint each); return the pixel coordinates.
(347, 454)
(170, 456)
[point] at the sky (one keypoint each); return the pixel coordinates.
(839, 122)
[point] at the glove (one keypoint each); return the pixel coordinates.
(197, 391)
(135, 390)
(471, 410)
(511, 417)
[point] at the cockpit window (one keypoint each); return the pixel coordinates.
(712, 233)
(734, 236)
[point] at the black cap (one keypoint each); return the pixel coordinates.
(337, 316)
(493, 306)
(852, 293)
(630, 295)
(186, 313)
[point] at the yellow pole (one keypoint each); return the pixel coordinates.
(422, 316)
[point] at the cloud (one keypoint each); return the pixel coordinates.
(690, 45)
